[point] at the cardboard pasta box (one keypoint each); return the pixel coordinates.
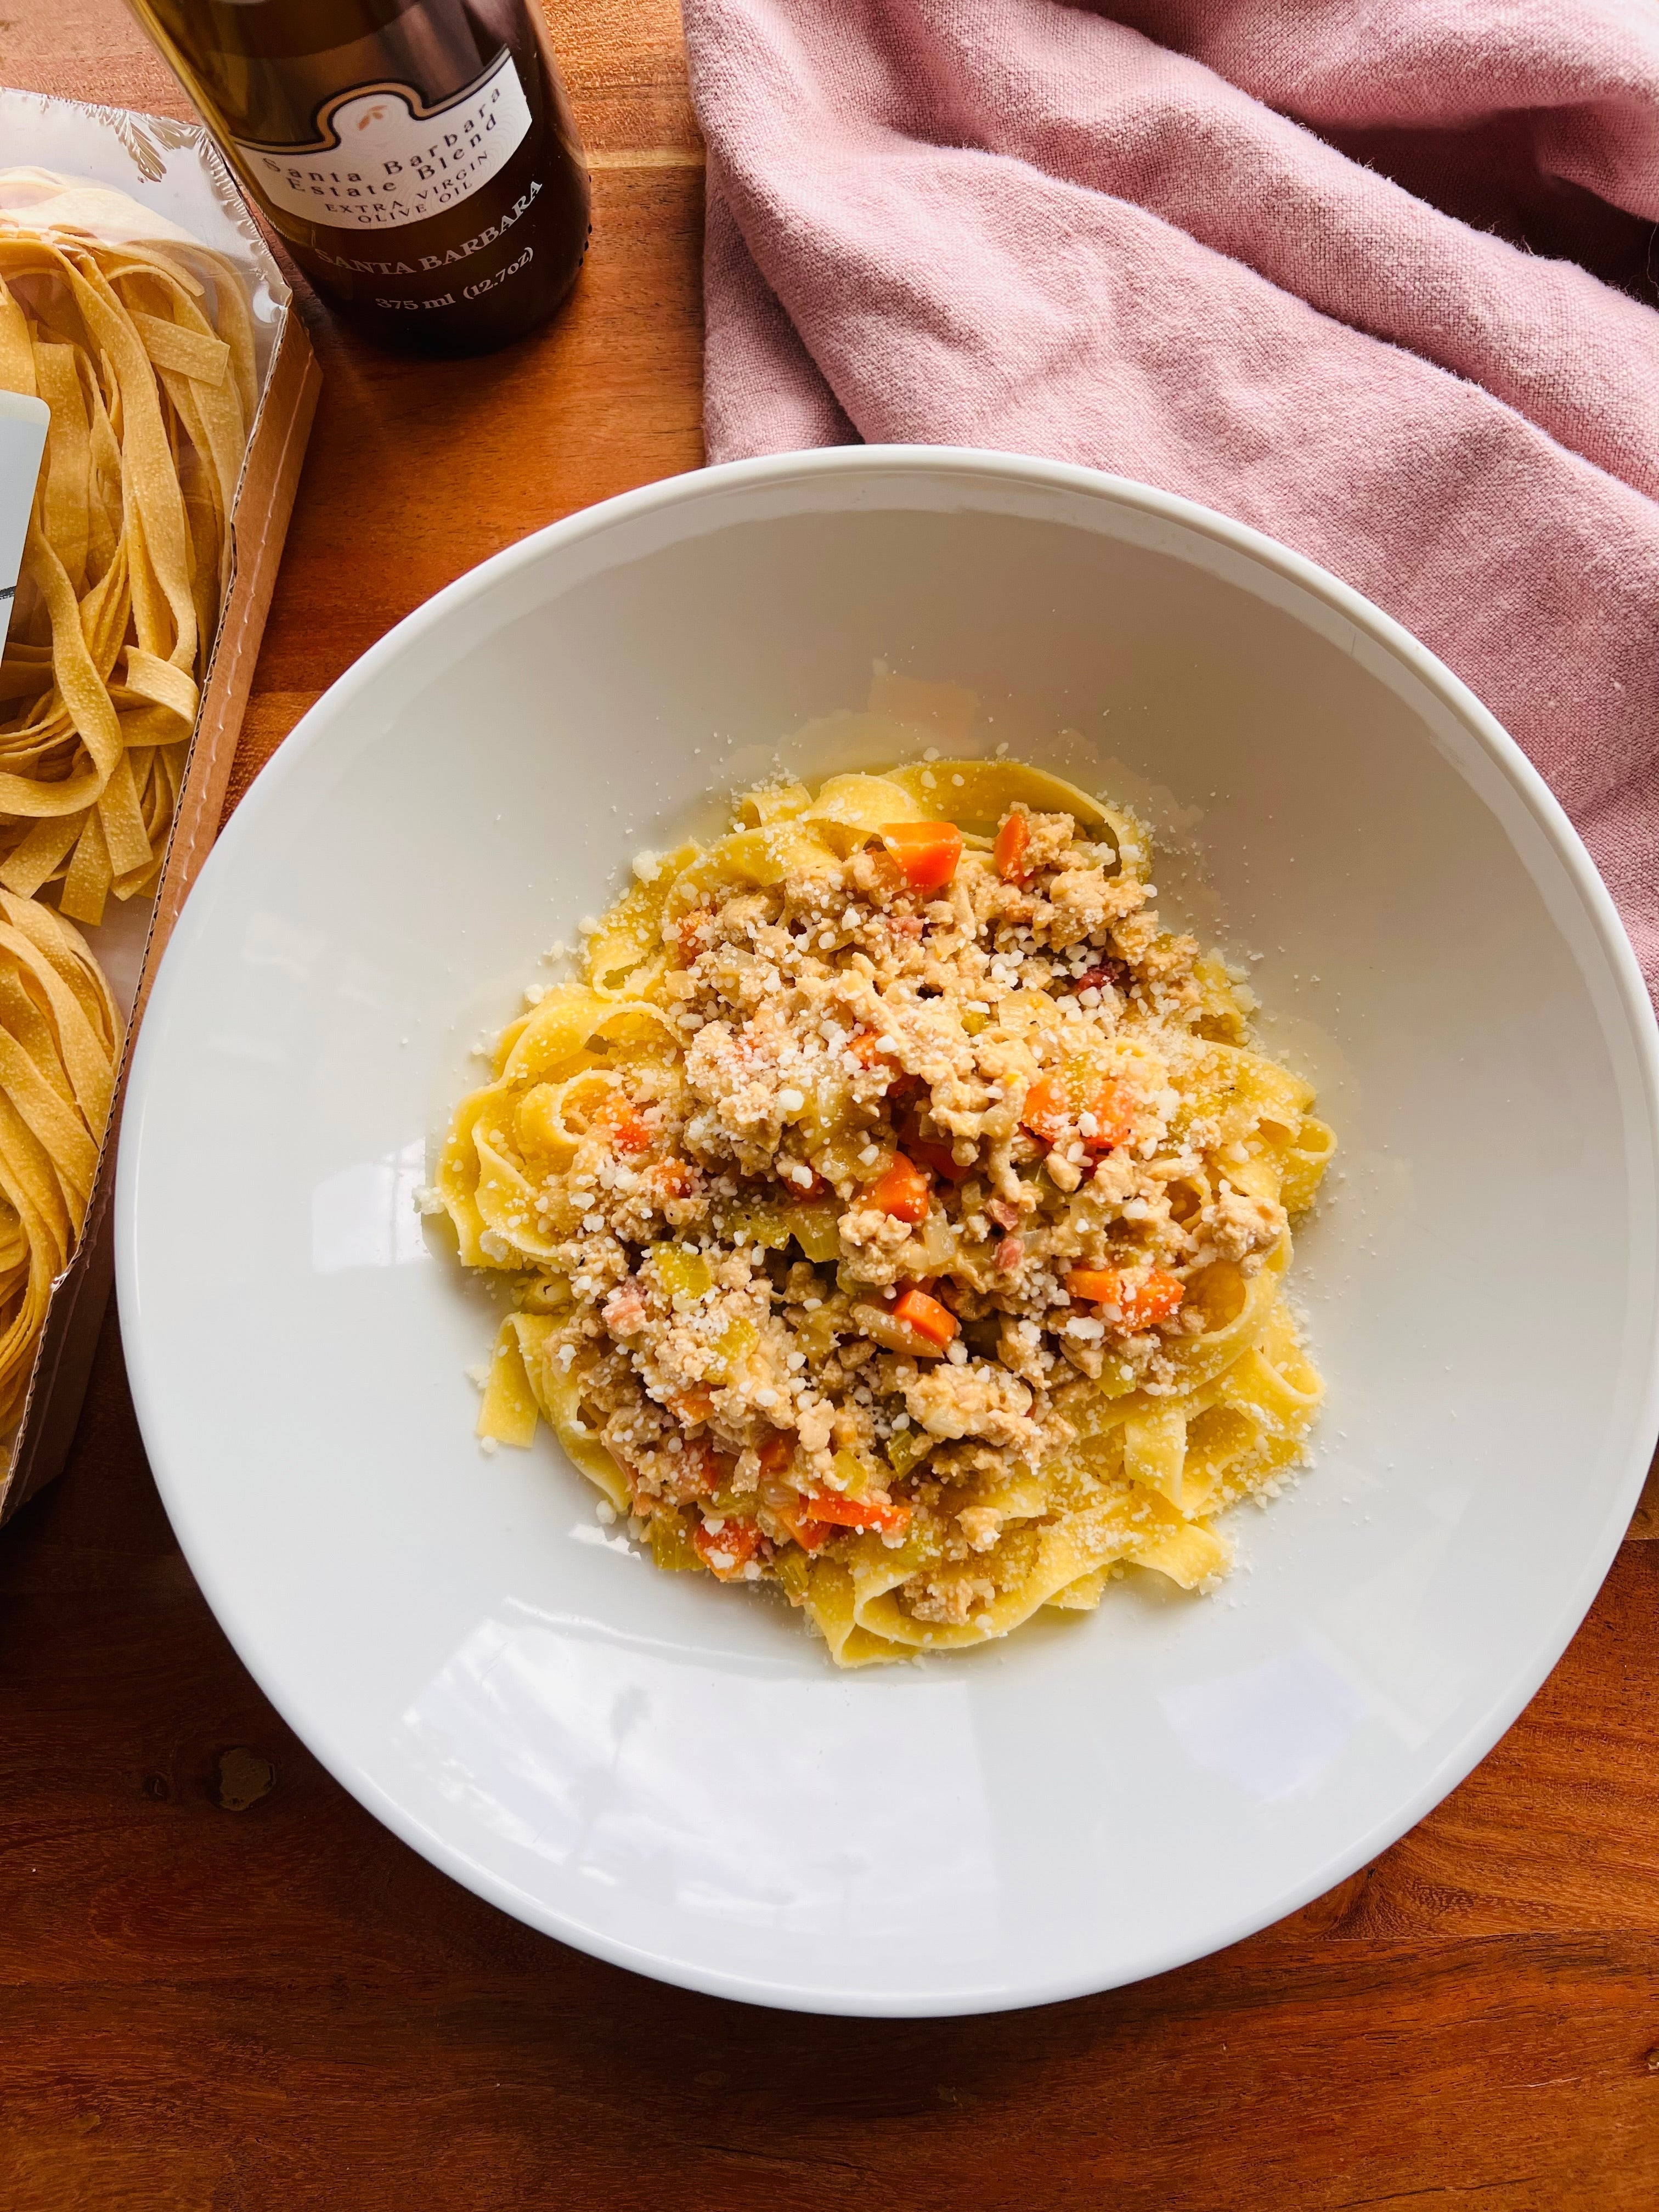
(84, 165)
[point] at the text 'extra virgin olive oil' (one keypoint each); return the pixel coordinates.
(417, 157)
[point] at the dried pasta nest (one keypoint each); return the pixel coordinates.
(59, 1037)
(144, 355)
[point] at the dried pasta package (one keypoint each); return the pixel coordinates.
(140, 343)
(142, 312)
(60, 1032)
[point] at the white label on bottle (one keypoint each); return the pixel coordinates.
(24, 421)
(383, 159)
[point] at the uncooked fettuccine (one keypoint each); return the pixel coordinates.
(152, 396)
(59, 1037)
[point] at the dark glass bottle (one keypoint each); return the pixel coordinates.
(417, 157)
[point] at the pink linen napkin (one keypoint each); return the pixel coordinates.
(1157, 237)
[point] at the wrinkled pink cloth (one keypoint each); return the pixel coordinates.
(1323, 265)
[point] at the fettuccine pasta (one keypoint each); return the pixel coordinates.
(128, 554)
(897, 1213)
(59, 1037)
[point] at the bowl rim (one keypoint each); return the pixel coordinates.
(779, 470)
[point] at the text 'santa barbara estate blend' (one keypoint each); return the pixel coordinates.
(417, 157)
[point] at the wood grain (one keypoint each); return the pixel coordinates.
(236, 2008)
(226, 1989)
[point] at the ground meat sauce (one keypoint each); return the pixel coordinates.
(922, 1161)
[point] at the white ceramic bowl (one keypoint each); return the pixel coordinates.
(671, 1774)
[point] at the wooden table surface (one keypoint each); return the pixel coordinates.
(225, 1986)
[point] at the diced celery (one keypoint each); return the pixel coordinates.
(811, 1223)
(907, 1448)
(671, 1543)
(731, 1347)
(794, 1571)
(852, 1477)
(760, 1224)
(679, 1272)
(814, 1227)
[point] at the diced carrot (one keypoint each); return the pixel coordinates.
(937, 1159)
(699, 1471)
(1013, 840)
(1056, 1103)
(673, 1178)
(814, 1186)
(856, 1512)
(1047, 1110)
(619, 1118)
(865, 1050)
(927, 851)
(927, 1317)
(807, 1533)
(1113, 1105)
(777, 1452)
(726, 1552)
(1154, 1300)
(930, 1153)
(902, 1191)
(1143, 1304)
(714, 1469)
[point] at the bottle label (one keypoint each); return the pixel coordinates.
(382, 160)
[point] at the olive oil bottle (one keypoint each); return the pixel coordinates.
(416, 157)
